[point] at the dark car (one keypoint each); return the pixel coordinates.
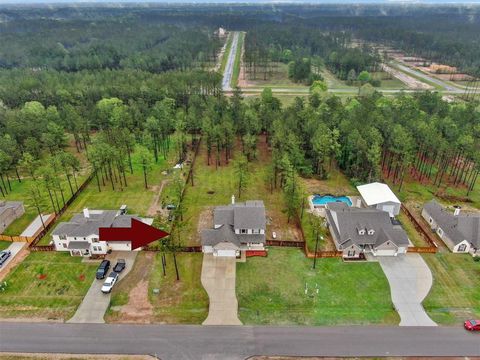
(103, 269)
(4, 255)
(171, 207)
(472, 325)
(119, 266)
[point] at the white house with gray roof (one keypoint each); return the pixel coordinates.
(379, 196)
(356, 231)
(458, 230)
(237, 227)
(9, 211)
(80, 235)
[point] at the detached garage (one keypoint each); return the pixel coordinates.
(380, 196)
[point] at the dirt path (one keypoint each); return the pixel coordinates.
(155, 206)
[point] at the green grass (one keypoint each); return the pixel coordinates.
(412, 233)
(311, 223)
(55, 297)
(225, 54)
(271, 291)
(4, 244)
(179, 302)
(237, 61)
(455, 295)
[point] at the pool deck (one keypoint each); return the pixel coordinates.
(320, 210)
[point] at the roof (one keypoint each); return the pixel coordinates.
(247, 215)
(464, 226)
(81, 226)
(78, 245)
(347, 221)
(377, 193)
(4, 205)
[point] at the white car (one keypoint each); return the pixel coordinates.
(109, 282)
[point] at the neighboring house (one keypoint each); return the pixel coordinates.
(380, 196)
(9, 211)
(80, 236)
(220, 32)
(237, 228)
(364, 230)
(459, 231)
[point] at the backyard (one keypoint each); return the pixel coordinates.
(46, 286)
(271, 291)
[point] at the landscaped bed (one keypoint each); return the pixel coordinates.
(271, 291)
(46, 286)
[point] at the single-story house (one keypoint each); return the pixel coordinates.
(9, 212)
(80, 235)
(365, 230)
(458, 230)
(380, 196)
(237, 228)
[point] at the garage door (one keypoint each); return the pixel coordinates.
(390, 209)
(385, 252)
(229, 253)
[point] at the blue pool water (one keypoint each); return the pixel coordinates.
(319, 200)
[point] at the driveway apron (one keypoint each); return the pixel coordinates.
(410, 281)
(95, 303)
(218, 279)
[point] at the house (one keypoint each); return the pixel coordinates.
(80, 235)
(380, 196)
(9, 211)
(237, 228)
(364, 230)
(221, 32)
(459, 231)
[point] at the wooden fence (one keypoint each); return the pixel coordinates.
(428, 249)
(285, 243)
(423, 230)
(42, 248)
(28, 239)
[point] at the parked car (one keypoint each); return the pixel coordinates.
(171, 206)
(103, 269)
(109, 282)
(119, 266)
(4, 255)
(472, 325)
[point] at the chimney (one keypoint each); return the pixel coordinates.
(457, 210)
(86, 213)
(233, 199)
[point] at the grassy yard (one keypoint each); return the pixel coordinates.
(455, 295)
(237, 61)
(4, 244)
(277, 78)
(310, 224)
(271, 291)
(213, 187)
(184, 301)
(46, 285)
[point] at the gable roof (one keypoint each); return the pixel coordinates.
(346, 221)
(457, 227)
(81, 226)
(377, 193)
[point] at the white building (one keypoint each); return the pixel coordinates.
(380, 196)
(80, 236)
(237, 227)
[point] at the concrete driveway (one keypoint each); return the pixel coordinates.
(410, 281)
(14, 248)
(218, 279)
(95, 303)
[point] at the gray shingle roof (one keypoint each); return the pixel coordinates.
(4, 205)
(248, 215)
(80, 226)
(78, 245)
(458, 228)
(346, 222)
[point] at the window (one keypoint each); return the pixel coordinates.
(95, 240)
(462, 247)
(256, 231)
(351, 253)
(75, 238)
(361, 232)
(63, 237)
(430, 220)
(243, 231)
(371, 232)
(440, 232)
(64, 245)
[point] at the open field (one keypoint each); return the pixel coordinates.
(455, 295)
(271, 291)
(278, 78)
(213, 187)
(237, 61)
(47, 286)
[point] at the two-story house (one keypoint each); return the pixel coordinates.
(237, 227)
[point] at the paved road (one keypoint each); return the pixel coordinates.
(14, 248)
(218, 279)
(95, 303)
(410, 281)
(183, 342)
(228, 73)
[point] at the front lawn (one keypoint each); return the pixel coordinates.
(455, 294)
(271, 291)
(4, 244)
(46, 285)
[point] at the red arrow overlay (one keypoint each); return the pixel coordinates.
(139, 234)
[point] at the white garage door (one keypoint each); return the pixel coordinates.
(390, 209)
(229, 253)
(385, 252)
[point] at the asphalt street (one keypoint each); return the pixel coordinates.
(228, 73)
(182, 342)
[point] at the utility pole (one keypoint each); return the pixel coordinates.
(316, 247)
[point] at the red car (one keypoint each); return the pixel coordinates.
(472, 325)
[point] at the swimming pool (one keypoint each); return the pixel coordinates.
(322, 200)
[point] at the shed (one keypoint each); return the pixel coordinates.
(380, 196)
